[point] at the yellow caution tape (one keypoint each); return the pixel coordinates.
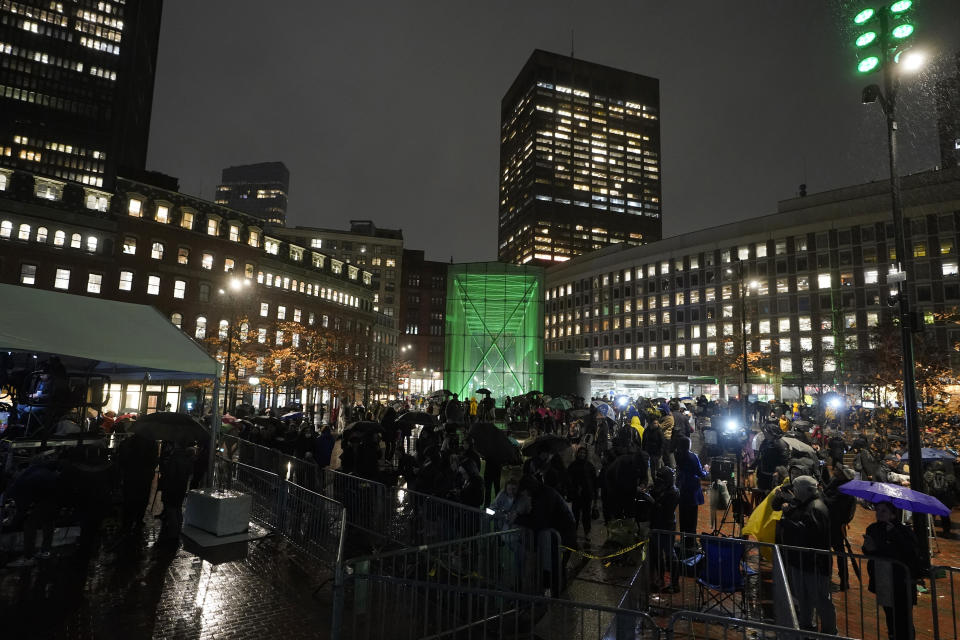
(590, 556)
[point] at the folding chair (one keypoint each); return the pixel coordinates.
(723, 575)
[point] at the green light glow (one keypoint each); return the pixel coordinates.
(902, 31)
(863, 16)
(866, 38)
(494, 329)
(868, 64)
(901, 6)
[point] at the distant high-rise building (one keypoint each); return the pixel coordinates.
(258, 189)
(948, 113)
(76, 87)
(579, 160)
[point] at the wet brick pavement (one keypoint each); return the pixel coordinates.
(145, 591)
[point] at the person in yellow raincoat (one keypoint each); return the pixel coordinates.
(762, 523)
(635, 423)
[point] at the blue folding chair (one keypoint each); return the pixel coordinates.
(723, 575)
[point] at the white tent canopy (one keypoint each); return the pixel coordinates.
(122, 334)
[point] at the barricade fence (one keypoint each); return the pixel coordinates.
(314, 524)
(514, 560)
(391, 608)
(382, 515)
(737, 578)
(944, 593)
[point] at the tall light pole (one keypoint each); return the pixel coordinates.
(233, 290)
(744, 367)
(884, 44)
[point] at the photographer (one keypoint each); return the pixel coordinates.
(806, 523)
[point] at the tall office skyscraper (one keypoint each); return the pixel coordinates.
(947, 100)
(579, 160)
(258, 189)
(76, 86)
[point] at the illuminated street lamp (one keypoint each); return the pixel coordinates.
(234, 289)
(890, 51)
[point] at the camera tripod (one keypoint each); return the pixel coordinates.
(738, 501)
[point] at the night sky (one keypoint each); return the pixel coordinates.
(390, 110)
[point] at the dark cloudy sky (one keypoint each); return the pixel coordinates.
(390, 110)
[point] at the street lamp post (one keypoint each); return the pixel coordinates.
(234, 287)
(884, 43)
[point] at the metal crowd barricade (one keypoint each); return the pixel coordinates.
(748, 587)
(944, 593)
(515, 560)
(692, 624)
(392, 608)
(262, 486)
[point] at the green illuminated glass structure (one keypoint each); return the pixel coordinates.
(494, 327)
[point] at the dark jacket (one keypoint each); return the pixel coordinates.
(653, 441)
(666, 498)
(896, 543)
(806, 524)
(840, 506)
(549, 511)
(323, 448)
(581, 481)
(689, 473)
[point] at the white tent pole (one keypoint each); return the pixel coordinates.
(214, 430)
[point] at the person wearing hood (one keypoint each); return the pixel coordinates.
(323, 447)
(581, 489)
(842, 508)
(689, 474)
(888, 540)
(806, 523)
(663, 517)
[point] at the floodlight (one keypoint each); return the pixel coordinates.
(864, 16)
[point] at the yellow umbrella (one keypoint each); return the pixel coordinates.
(762, 523)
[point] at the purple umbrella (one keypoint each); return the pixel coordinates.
(901, 497)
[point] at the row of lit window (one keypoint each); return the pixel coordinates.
(64, 104)
(24, 232)
(19, 8)
(827, 364)
(40, 56)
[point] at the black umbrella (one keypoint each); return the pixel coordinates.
(484, 391)
(534, 393)
(267, 421)
(578, 413)
(362, 429)
(546, 444)
(170, 426)
(442, 392)
(416, 417)
(494, 444)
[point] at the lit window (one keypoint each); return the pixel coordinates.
(207, 261)
(126, 281)
(179, 288)
(135, 208)
(153, 285)
(24, 232)
(254, 240)
(183, 255)
(41, 234)
(264, 309)
(28, 274)
(201, 331)
(681, 350)
(213, 227)
(92, 243)
(783, 325)
(743, 253)
(949, 268)
(234, 233)
(296, 315)
(695, 349)
(224, 330)
(156, 251)
(6, 229)
(761, 248)
(803, 283)
(97, 202)
(870, 277)
(873, 319)
(919, 249)
(94, 280)
(823, 281)
(765, 345)
(129, 245)
(281, 313)
(806, 343)
(63, 279)
(261, 335)
(163, 213)
(785, 345)
(76, 240)
(176, 319)
(786, 365)
(186, 220)
(804, 322)
(272, 246)
(228, 265)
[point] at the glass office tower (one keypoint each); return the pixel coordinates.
(494, 329)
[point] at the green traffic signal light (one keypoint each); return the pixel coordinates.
(866, 38)
(864, 16)
(900, 6)
(868, 64)
(902, 31)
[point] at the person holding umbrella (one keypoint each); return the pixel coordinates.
(888, 539)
